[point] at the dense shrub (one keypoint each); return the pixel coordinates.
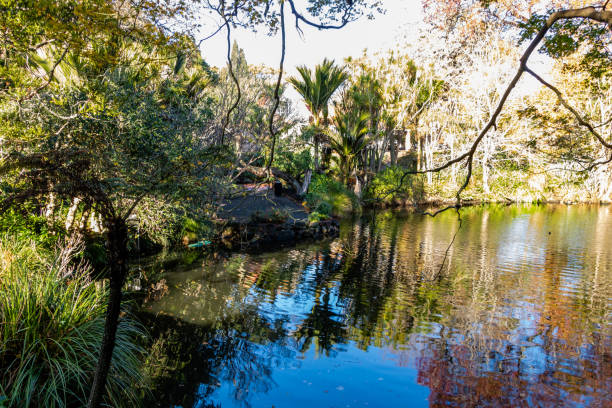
(316, 216)
(292, 159)
(52, 318)
(330, 197)
(387, 187)
(28, 226)
(167, 225)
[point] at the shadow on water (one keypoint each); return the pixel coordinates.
(520, 315)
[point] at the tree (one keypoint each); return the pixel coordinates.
(348, 141)
(573, 162)
(317, 90)
(246, 129)
(111, 135)
(560, 33)
(396, 94)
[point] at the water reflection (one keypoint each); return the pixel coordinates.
(518, 314)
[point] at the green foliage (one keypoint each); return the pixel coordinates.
(132, 147)
(366, 96)
(566, 37)
(316, 216)
(324, 208)
(330, 197)
(318, 87)
(349, 141)
(25, 225)
(191, 229)
(292, 157)
(52, 325)
(250, 113)
(169, 224)
(387, 187)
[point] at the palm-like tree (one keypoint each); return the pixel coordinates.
(317, 89)
(348, 141)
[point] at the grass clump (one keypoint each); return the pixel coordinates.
(52, 321)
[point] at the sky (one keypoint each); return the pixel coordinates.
(379, 34)
(397, 25)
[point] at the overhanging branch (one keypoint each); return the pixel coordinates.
(590, 13)
(567, 106)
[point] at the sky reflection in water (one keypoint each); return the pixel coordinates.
(519, 315)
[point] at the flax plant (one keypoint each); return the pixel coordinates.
(51, 327)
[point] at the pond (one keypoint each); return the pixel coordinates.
(516, 312)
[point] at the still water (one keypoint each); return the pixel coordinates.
(516, 312)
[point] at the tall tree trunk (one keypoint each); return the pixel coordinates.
(49, 212)
(358, 185)
(117, 238)
(485, 166)
(420, 154)
(83, 223)
(316, 153)
(381, 156)
(372, 160)
(95, 224)
(304, 189)
(485, 177)
(418, 142)
(452, 156)
(72, 213)
(428, 162)
(50, 207)
(393, 147)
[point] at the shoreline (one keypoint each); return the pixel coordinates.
(400, 204)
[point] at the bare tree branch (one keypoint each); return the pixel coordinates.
(231, 72)
(590, 13)
(597, 164)
(579, 118)
(51, 74)
(300, 17)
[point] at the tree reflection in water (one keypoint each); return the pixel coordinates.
(519, 316)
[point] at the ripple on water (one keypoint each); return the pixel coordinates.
(517, 312)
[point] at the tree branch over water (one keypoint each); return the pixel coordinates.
(567, 106)
(588, 13)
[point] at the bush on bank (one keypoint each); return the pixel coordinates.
(330, 197)
(388, 187)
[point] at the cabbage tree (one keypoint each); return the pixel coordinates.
(317, 89)
(348, 141)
